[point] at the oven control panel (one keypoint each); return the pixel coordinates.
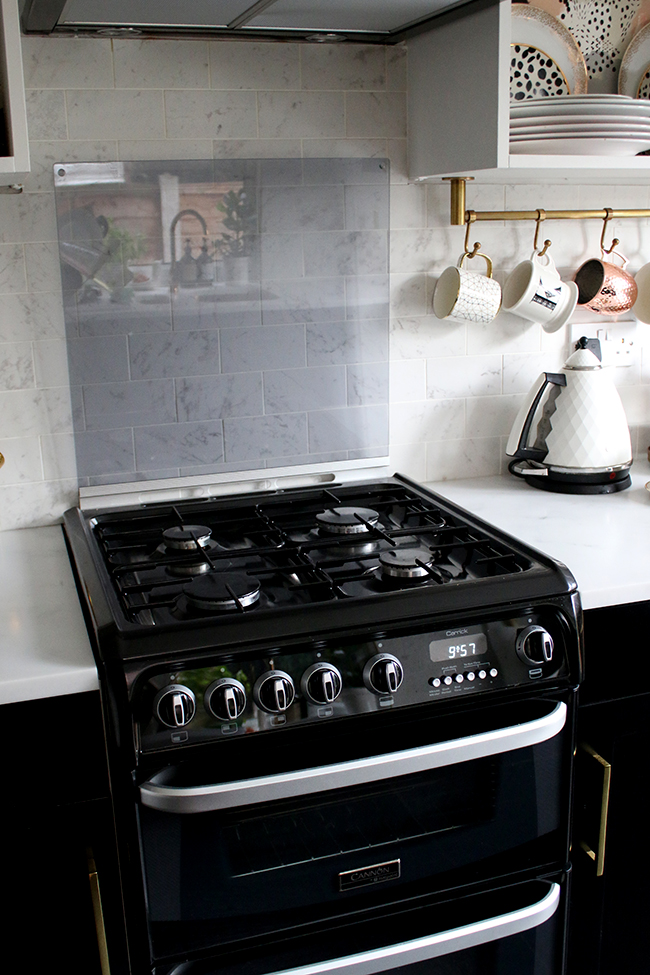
(325, 679)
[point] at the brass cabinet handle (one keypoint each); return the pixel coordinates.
(98, 912)
(598, 856)
(2, 460)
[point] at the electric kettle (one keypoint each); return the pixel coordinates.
(581, 442)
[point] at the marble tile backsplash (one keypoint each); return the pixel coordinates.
(455, 389)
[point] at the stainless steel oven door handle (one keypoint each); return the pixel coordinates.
(435, 945)
(246, 792)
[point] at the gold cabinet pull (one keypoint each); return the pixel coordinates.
(98, 912)
(598, 855)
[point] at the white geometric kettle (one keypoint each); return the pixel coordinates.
(582, 441)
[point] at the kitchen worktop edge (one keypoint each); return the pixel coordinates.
(45, 650)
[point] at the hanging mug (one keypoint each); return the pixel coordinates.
(605, 288)
(535, 291)
(467, 296)
(641, 307)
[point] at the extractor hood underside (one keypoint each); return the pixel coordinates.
(362, 21)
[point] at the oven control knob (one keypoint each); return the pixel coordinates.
(175, 705)
(321, 683)
(383, 674)
(274, 691)
(225, 698)
(534, 645)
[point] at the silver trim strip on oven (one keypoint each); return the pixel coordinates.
(247, 792)
(199, 487)
(435, 945)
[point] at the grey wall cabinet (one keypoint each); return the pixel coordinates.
(14, 147)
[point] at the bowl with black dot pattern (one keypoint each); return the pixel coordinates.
(603, 30)
(644, 86)
(533, 74)
(634, 75)
(545, 60)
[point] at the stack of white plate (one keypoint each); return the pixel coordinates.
(585, 125)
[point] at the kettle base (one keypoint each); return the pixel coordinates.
(564, 488)
(582, 483)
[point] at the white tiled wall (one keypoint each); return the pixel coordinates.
(455, 389)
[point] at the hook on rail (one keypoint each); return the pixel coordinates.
(470, 217)
(615, 240)
(541, 216)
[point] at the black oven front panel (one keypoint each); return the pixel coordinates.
(285, 851)
(512, 930)
(269, 689)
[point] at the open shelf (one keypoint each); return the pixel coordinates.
(459, 110)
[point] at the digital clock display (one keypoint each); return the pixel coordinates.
(459, 646)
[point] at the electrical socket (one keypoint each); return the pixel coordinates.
(617, 343)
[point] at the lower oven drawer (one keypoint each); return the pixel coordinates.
(515, 930)
(229, 862)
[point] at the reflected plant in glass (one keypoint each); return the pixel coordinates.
(241, 220)
(123, 247)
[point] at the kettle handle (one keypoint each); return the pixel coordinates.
(518, 438)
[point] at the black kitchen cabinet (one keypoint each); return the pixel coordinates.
(58, 831)
(609, 913)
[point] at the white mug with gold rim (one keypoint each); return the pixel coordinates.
(467, 296)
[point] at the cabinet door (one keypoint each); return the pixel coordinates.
(58, 817)
(49, 914)
(457, 74)
(609, 913)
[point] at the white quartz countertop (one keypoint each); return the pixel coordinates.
(44, 648)
(603, 539)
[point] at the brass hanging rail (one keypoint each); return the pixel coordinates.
(460, 215)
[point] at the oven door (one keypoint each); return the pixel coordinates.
(512, 930)
(230, 861)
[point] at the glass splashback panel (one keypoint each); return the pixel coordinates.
(224, 315)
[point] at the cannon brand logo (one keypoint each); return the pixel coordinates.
(365, 876)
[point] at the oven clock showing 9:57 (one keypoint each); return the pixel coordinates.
(472, 645)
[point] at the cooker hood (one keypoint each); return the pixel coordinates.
(367, 21)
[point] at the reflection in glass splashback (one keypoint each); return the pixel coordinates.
(224, 315)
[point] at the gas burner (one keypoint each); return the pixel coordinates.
(347, 521)
(406, 563)
(353, 549)
(189, 567)
(222, 592)
(189, 547)
(187, 537)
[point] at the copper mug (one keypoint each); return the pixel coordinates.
(605, 288)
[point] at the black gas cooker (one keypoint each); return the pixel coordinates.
(161, 578)
(306, 688)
